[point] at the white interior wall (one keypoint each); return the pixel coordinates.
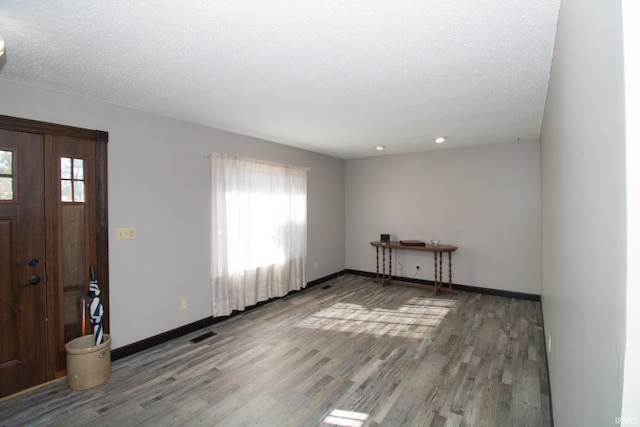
(631, 393)
(584, 242)
(159, 181)
(484, 199)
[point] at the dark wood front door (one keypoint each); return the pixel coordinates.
(23, 330)
(53, 229)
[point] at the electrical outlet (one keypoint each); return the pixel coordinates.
(183, 304)
(315, 266)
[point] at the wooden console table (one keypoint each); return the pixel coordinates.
(437, 250)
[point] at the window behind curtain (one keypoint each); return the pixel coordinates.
(259, 238)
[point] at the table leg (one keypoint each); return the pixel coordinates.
(377, 263)
(435, 273)
(384, 271)
(450, 272)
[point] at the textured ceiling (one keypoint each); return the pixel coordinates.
(334, 76)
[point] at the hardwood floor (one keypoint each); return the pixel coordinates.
(353, 354)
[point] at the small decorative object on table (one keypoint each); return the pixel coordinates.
(412, 243)
(435, 242)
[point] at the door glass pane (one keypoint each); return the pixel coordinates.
(78, 191)
(6, 162)
(6, 188)
(65, 168)
(73, 269)
(78, 169)
(66, 191)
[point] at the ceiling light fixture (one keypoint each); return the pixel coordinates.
(380, 147)
(440, 139)
(1, 46)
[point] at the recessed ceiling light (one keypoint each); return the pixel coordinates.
(440, 139)
(380, 147)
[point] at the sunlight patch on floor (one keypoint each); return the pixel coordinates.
(412, 320)
(339, 417)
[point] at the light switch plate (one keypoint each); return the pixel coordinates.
(126, 233)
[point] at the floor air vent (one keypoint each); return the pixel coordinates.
(202, 337)
(327, 287)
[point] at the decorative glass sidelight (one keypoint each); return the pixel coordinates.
(72, 180)
(72, 196)
(6, 174)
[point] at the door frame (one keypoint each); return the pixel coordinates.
(101, 139)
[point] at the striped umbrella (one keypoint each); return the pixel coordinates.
(95, 308)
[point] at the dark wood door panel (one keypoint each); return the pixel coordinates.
(23, 362)
(47, 243)
(9, 345)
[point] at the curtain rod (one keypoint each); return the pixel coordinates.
(229, 156)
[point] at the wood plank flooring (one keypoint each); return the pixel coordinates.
(353, 354)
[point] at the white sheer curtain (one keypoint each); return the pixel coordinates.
(259, 231)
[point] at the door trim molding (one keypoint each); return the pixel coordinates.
(34, 126)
